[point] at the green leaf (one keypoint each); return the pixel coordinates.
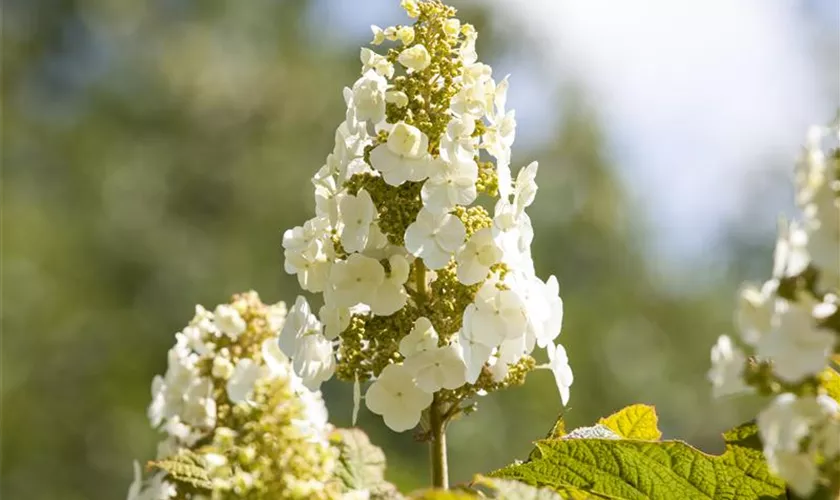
(361, 465)
(634, 422)
(632, 469)
(830, 380)
(186, 467)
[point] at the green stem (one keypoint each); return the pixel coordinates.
(437, 446)
(437, 415)
(420, 280)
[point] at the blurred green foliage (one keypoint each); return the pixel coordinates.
(153, 152)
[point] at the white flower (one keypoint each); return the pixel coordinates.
(369, 97)
(314, 361)
(396, 97)
(437, 368)
(796, 346)
(405, 34)
(784, 425)
(357, 214)
(309, 253)
(396, 397)
(510, 352)
(179, 434)
(543, 305)
(356, 280)
(434, 238)
(404, 157)
(558, 362)
(495, 315)
(798, 470)
(327, 192)
(222, 367)
(474, 353)
(215, 460)
(157, 489)
(335, 320)
(755, 311)
(501, 131)
(818, 195)
(791, 255)
(458, 144)
(315, 419)
(410, 7)
(300, 322)
(195, 338)
(726, 374)
(415, 58)
(452, 26)
(504, 178)
(421, 338)
(169, 393)
(347, 158)
(467, 51)
(390, 296)
(789, 419)
(199, 406)
(513, 233)
(275, 361)
(476, 256)
(378, 35)
(379, 63)
(240, 386)
(378, 246)
(525, 190)
(229, 321)
(475, 97)
(449, 184)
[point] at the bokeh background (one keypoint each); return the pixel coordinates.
(153, 153)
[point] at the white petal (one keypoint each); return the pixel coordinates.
(388, 300)
(416, 239)
(274, 359)
(241, 383)
(402, 418)
(434, 257)
(475, 355)
(451, 235)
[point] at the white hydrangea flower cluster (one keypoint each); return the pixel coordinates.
(424, 290)
(231, 395)
(790, 329)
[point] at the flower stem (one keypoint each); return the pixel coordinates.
(437, 446)
(437, 415)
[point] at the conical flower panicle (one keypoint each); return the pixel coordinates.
(420, 245)
(230, 398)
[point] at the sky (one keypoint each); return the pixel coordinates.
(701, 100)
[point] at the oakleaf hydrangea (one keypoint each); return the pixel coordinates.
(790, 330)
(420, 245)
(231, 398)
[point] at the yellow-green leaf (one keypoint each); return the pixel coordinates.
(632, 469)
(634, 422)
